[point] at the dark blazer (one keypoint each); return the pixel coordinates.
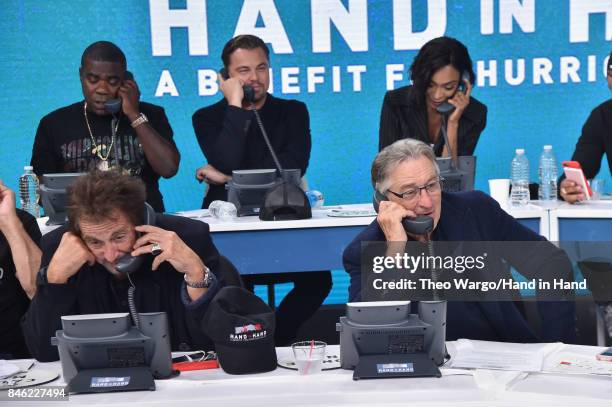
(596, 139)
(93, 290)
(401, 117)
(474, 216)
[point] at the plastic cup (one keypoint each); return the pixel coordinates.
(309, 356)
(499, 190)
(598, 186)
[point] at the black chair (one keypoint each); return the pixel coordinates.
(228, 272)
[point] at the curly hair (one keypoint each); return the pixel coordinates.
(98, 195)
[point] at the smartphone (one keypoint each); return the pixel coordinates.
(421, 225)
(605, 356)
(573, 171)
(447, 108)
(249, 94)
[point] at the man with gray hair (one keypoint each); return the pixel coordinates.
(408, 184)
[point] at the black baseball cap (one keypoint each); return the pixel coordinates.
(242, 327)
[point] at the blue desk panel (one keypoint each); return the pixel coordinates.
(585, 229)
(295, 250)
(531, 223)
(286, 250)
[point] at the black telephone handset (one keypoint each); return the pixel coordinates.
(128, 263)
(421, 225)
(249, 94)
(113, 106)
(447, 108)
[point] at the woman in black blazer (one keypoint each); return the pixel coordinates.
(441, 67)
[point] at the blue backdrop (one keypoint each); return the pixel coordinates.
(561, 44)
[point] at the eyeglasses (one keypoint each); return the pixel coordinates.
(412, 194)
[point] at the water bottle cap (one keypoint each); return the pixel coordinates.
(520, 151)
(547, 147)
(28, 168)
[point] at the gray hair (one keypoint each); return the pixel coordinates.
(393, 155)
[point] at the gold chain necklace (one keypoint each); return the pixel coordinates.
(97, 150)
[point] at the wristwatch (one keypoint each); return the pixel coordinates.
(207, 280)
(139, 120)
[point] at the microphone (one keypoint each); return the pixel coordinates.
(285, 200)
(279, 168)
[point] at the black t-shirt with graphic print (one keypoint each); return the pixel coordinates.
(63, 144)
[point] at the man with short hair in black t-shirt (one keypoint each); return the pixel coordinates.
(19, 263)
(231, 140)
(84, 136)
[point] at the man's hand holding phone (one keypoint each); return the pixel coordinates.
(231, 88)
(130, 95)
(575, 187)
(70, 256)
(174, 251)
(571, 192)
(390, 215)
(461, 99)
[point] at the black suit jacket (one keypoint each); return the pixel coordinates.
(93, 290)
(401, 117)
(474, 216)
(596, 139)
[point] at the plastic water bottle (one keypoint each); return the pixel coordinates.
(225, 211)
(519, 174)
(28, 191)
(548, 175)
(315, 198)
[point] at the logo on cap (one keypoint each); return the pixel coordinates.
(247, 333)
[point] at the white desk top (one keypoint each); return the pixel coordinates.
(534, 209)
(586, 209)
(319, 219)
(336, 387)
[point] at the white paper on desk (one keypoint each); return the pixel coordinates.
(449, 371)
(8, 369)
(575, 363)
(501, 356)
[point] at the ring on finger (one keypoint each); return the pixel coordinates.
(156, 249)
